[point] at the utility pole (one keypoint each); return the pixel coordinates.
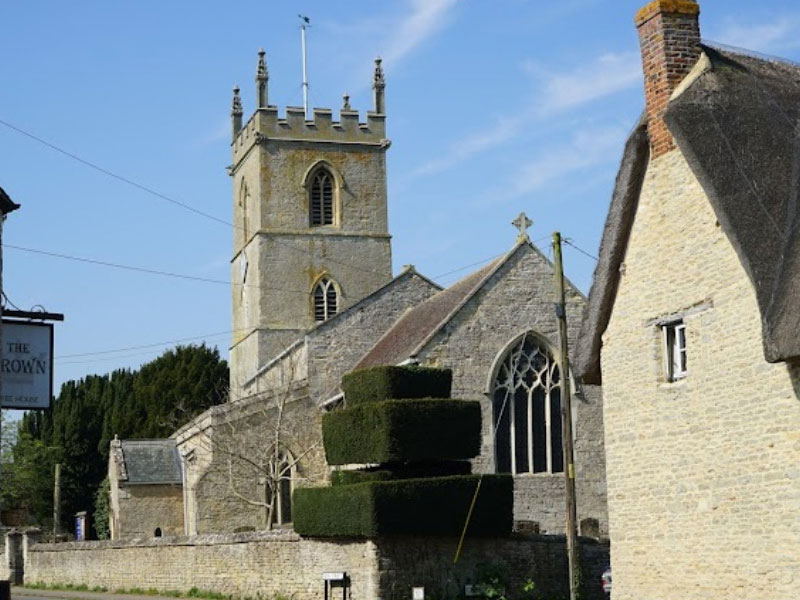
(57, 503)
(304, 22)
(566, 421)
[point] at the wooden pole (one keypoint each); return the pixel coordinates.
(57, 503)
(566, 421)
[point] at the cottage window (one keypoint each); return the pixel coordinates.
(326, 300)
(527, 410)
(321, 198)
(674, 335)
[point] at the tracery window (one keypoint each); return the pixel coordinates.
(326, 300)
(526, 403)
(321, 198)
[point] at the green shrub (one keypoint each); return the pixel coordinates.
(393, 383)
(402, 471)
(431, 506)
(402, 431)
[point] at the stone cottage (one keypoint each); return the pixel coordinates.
(692, 324)
(145, 489)
(313, 298)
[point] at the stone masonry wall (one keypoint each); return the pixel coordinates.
(703, 476)
(334, 348)
(519, 298)
(267, 564)
(143, 508)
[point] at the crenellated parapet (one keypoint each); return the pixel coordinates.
(266, 123)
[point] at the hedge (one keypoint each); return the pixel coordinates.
(431, 506)
(402, 431)
(402, 471)
(392, 383)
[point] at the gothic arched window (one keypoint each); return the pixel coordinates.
(526, 402)
(326, 300)
(321, 197)
(281, 477)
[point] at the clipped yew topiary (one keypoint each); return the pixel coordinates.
(429, 506)
(402, 471)
(402, 422)
(402, 431)
(394, 383)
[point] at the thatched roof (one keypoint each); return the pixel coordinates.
(6, 203)
(736, 120)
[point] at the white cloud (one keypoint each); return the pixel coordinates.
(587, 149)
(605, 75)
(426, 18)
(780, 34)
(556, 92)
(503, 130)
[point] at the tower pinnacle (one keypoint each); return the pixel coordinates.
(378, 87)
(262, 77)
(236, 112)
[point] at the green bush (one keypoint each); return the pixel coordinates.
(393, 383)
(402, 471)
(402, 431)
(431, 506)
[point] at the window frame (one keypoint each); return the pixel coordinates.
(674, 350)
(326, 218)
(327, 285)
(549, 377)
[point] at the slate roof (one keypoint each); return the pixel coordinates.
(737, 122)
(6, 203)
(409, 335)
(151, 462)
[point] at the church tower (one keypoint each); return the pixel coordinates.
(310, 220)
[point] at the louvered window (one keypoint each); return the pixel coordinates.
(322, 198)
(326, 300)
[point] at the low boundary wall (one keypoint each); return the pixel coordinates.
(269, 564)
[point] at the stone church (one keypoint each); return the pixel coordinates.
(314, 297)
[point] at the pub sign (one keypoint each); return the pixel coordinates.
(26, 379)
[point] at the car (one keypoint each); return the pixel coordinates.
(605, 580)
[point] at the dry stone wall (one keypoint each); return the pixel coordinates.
(268, 564)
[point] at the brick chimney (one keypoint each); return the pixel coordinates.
(669, 36)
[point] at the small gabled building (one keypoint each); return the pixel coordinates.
(693, 324)
(145, 489)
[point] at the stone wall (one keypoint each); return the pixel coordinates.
(232, 435)
(335, 347)
(145, 508)
(268, 564)
(519, 298)
(703, 477)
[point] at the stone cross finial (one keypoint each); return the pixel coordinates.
(346, 102)
(236, 112)
(262, 75)
(378, 86)
(522, 222)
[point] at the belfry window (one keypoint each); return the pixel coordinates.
(321, 198)
(526, 403)
(326, 300)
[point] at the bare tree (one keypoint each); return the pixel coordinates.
(252, 451)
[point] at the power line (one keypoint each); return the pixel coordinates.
(165, 197)
(130, 182)
(153, 345)
(581, 250)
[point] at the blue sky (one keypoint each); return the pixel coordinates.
(493, 108)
